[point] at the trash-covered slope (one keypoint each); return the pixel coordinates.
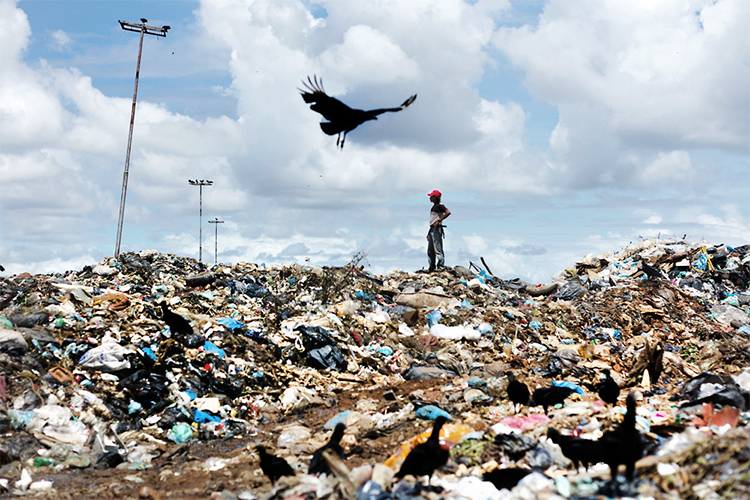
(93, 380)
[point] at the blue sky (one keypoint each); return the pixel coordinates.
(554, 129)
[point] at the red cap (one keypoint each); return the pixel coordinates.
(435, 193)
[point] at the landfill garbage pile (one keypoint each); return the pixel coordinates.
(153, 376)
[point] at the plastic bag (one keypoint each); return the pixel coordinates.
(180, 433)
(108, 357)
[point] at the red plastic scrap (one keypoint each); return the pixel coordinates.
(728, 415)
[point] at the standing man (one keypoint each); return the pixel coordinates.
(438, 213)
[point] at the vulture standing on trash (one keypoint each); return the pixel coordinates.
(608, 390)
(318, 463)
(341, 118)
(550, 396)
(518, 392)
(178, 325)
(506, 479)
(427, 456)
(623, 445)
(580, 451)
(272, 466)
(181, 329)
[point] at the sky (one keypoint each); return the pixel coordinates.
(555, 129)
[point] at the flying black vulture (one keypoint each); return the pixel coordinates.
(272, 466)
(318, 464)
(341, 118)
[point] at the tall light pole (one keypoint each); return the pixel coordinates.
(216, 237)
(200, 184)
(144, 29)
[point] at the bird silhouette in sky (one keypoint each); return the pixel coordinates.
(341, 118)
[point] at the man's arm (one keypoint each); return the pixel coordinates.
(442, 217)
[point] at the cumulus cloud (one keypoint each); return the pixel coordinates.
(636, 75)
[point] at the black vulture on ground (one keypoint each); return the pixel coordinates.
(580, 451)
(427, 456)
(608, 390)
(550, 396)
(181, 329)
(506, 479)
(518, 392)
(341, 118)
(178, 325)
(318, 464)
(272, 466)
(623, 445)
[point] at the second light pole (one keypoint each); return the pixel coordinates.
(200, 184)
(216, 238)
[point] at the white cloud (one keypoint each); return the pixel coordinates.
(637, 75)
(674, 166)
(61, 40)
(369, 56)
(475, 243)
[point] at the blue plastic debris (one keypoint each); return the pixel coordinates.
(432, 412)
(134, 407)
(213, 348)
(434, 317)
(149, 352)
(569, 385)
(477, 383)
(340, 418)
(231, 323)
(254, 333)
(202, 417)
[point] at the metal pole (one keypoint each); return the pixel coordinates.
(200, 184)
(143, 29)
(127, 155)
(216, 238)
